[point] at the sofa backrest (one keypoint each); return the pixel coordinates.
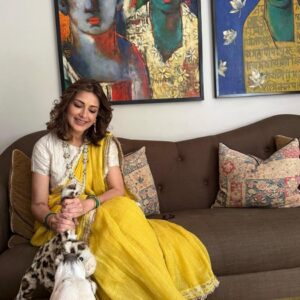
(185, 172)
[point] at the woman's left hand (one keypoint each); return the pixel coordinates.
(73, 208)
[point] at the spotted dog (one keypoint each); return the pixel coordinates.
(51, 254)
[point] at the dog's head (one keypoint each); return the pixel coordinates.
(70, 191)
(82, 252)
(70, 266)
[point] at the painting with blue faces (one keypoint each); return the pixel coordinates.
(139, 50)
(256, 47)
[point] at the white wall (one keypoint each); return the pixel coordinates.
(29, 82)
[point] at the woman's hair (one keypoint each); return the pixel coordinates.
(58, 116)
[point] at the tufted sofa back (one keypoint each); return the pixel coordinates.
(185, 172)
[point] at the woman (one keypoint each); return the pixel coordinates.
(136, 258)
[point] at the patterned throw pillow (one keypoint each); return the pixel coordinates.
(139, 181)
(247, 181)
(22, 220)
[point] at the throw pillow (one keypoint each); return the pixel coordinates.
(22, 220)
(247, 181)
(139, 181)
(281, 141)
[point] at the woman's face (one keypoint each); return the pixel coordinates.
(82, 112)
(92, 16)
(166, 5)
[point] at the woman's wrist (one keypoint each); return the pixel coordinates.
(97, 201)
(47, 218)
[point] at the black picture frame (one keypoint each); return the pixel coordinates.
(249, 58)
(182, 85)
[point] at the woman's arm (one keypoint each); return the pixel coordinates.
(115, 184)
(74, 208)
(40, 208)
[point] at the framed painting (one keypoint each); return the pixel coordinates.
(256, 47)
(140, 51)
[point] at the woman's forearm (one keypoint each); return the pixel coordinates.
(114, 192)
(39, 211)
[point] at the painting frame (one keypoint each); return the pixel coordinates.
(250, 57)
(62, 50)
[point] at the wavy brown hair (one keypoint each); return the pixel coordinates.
(58, 116)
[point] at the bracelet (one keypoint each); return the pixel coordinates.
(97, 201)
(45, 221)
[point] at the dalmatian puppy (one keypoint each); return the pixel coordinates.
(51, 255)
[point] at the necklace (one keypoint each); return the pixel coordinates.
(69, 165)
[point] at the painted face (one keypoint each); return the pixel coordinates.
(82, 112)
(92, 16)
(166, 5)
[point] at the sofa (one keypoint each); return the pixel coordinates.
(255, 252)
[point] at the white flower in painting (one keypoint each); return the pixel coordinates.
(237, 6)
(257, 79)
(229, 36)
(222, 68)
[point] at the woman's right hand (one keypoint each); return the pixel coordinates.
(60, 223)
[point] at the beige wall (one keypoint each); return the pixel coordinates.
(29, 82)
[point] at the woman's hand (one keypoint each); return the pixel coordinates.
(73, 208)
(60, 222)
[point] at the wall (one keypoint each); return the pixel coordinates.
(29, 82)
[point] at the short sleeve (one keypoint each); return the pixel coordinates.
(40, 159)
(113, 155)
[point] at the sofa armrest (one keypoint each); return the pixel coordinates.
(4, 219)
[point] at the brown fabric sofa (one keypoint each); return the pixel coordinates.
(254, 252)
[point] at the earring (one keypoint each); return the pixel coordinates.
(95, 128)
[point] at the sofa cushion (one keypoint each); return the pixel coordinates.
(246, 240)
(22, 220)
(139, 181)
(247, 181)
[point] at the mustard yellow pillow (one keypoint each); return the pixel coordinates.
(281, 141)
(22, 220)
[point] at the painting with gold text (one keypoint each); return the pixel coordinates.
(140, 51)
(256, 47)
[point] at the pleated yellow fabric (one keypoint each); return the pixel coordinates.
(139, 258)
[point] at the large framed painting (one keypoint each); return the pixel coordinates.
(256, 47)
(139, 50)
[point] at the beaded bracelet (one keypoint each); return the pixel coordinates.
(45, 221)
(97, 201)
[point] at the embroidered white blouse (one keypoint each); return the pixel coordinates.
(48, 158)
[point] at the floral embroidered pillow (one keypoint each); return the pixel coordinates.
(247, 181)
(139, 181)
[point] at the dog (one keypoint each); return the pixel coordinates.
(52, 254)
(71, 280)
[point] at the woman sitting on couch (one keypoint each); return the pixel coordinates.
(136, 258)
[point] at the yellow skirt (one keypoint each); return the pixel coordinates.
(146, 259)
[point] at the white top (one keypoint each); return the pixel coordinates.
(48, 158)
